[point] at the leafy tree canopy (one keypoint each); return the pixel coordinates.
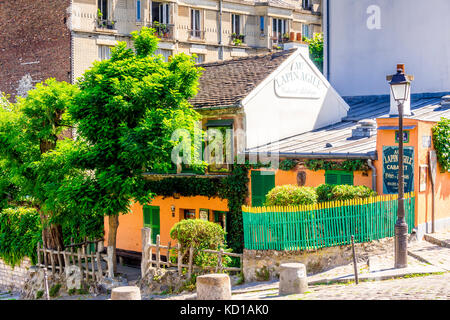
(127, 110)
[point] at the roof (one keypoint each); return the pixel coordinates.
(335, 141)
(226, 83)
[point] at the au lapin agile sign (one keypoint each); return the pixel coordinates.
(390, 169)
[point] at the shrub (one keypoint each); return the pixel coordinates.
(289, 195)
(201, 234)
(347, 192)
(324, 192)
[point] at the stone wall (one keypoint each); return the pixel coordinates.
(263, 265)
(14, 278)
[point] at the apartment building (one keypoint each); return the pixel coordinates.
(62, 38)
(210, 29)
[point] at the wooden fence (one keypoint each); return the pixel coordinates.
(92, 263)
(321, 225)
(149, 250)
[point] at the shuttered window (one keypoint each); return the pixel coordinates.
(261, 185)
(339, 177)
(151, 220)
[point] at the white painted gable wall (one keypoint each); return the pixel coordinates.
(295, 107)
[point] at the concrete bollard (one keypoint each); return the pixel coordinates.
(215, 286)
(126, 293)
(293, 278)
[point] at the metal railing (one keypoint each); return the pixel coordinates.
(196, 35)
(163, 31)
(328, 224)
(106, 24)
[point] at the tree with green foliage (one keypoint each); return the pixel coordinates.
(316, 50)
(127, 110)
(34, 153)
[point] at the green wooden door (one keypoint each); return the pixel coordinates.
(151, 220)
(261, 185)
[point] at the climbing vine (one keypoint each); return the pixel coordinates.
(287, 164)
(20, 231)
(231, 187)
(347, 165)
(441, 140)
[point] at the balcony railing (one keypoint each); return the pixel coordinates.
(163, 31)
(237, 39)
(106, 24)
(196, 35)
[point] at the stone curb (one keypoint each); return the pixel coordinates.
(431, 239)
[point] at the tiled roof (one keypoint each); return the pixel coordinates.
(336, 140)
(226, 83)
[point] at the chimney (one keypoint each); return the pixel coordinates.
(365, 129)
(407, 104)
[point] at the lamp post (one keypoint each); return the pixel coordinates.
(400, 86)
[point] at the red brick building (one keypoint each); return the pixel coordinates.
(35, 41)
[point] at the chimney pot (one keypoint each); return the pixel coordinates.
(401, 67)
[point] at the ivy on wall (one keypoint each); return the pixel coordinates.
(20, 232)
(347, 165)
(441, 140)
(287, 165)
(231, 187)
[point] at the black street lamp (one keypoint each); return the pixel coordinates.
(400, 86)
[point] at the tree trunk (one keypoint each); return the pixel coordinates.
(112, 236)
(52, 235)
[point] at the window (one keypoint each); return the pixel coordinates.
(261, 24)
(161, 12)
(261, 183)
(166, 53)
(188, 213)
(236, 24)
(306, 31)
(220, 217)
(152, 220)
(138, 10)
(195, 23)
(104, 52)
(199, 58)
(306, 4)
(102, 6)
(219, 153)
(279, 28)
(338, 177)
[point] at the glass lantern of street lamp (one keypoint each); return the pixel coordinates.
(400, 86)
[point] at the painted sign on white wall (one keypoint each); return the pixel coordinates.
(298, 82)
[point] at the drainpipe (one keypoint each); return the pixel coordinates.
(220, 31)
(327, 40)
(374, 174)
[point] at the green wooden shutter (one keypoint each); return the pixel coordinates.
(338, 177)
(151, 220)
(331, 178)
(347, 179)
(261, 184)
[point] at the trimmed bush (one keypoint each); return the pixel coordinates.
(201, 234)
(291, 195)
(346, 192)
(324, 192)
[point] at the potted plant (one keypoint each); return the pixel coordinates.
(286, 36)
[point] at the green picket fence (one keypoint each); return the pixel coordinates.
(321, 225)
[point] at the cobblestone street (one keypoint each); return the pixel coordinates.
(432, 287)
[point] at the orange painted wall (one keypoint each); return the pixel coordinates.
(130, 225)
(442, 187)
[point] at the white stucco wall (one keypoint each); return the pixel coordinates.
(368, 38)
(284, 105)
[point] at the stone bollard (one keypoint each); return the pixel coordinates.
(126, 293)
(215, 286)
(293, 278)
